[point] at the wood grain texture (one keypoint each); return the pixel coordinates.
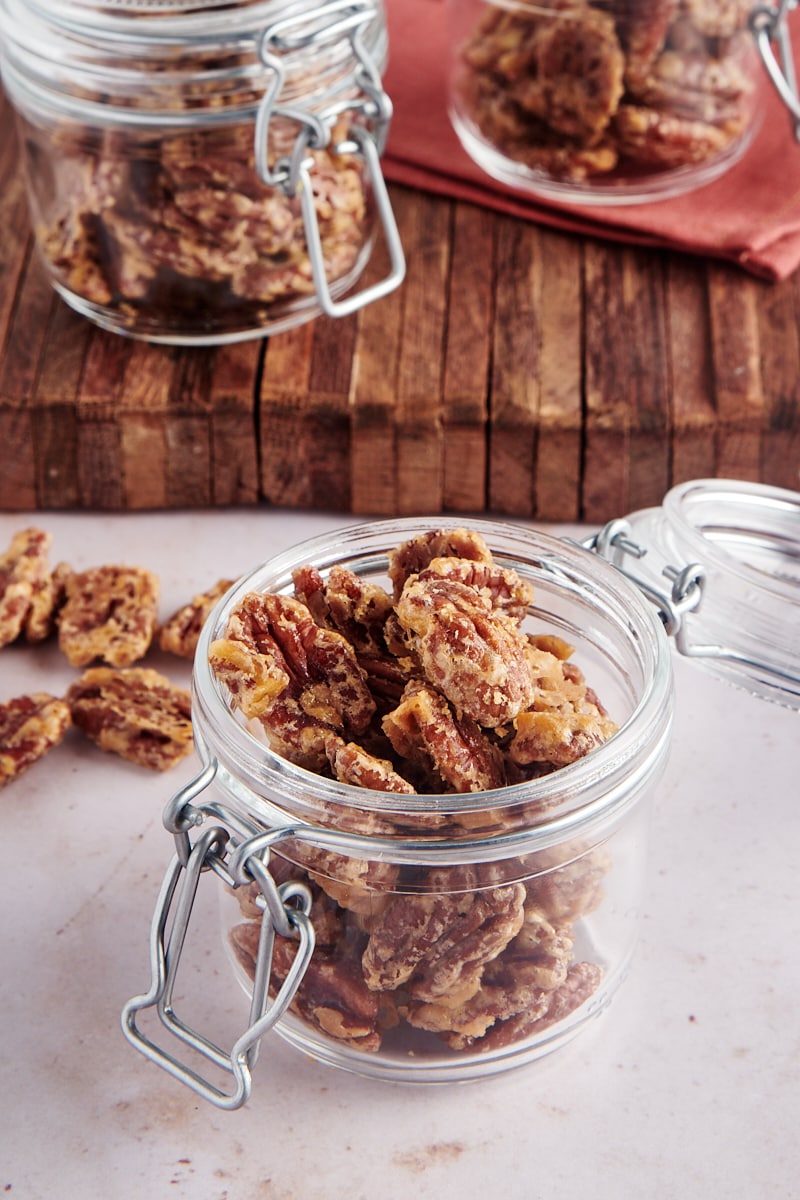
(517, 371)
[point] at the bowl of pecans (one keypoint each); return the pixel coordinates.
(429, 758)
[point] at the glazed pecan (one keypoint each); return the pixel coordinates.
(473, 653)
(546, 1008)
(424, 727)
(412, 556)
(440, 938)
(109, 614)
(558, 738)
(135, 713)
(29, 727)
(180, 632)
(24, 571)
(502, 586)
(569, 890)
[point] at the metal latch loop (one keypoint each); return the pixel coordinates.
(286, 912)
(769, 24)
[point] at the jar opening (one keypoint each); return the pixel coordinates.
(620, 647)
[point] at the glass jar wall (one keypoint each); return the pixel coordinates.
(604, 101)
(167, 148)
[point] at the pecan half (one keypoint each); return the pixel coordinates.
(109, 614)
(30, 726)
(135, 713)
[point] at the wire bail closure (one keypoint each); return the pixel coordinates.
(286, 912)
(768, 24)
(292, 174)
(615, 543)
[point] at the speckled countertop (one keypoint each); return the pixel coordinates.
(688, 1087)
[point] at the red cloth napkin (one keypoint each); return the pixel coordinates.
(750, 216)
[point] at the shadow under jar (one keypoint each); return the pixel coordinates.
(446, 934)
(604, 101)
(201, 172)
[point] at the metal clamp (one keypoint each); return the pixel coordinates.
(286, 912)
(366, 137)
(769, 24)
(615, 543)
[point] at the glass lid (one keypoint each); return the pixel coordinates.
(721, 560)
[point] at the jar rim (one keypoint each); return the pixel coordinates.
(717, 516)
(585, 791)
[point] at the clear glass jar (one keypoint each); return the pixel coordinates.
(443, 936)
(609, 101)
(202, 172)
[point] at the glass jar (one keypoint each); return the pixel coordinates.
(415, 935)
(198, 171)
(612, 101)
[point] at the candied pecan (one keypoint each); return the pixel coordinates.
(662, 140)
(642, 31)
(135, 713)
(540, 953)
(325, 677)
(47, 601)
(309, 589)
(333, 997)
(546, 1009)
(474, 654)
(503, 587)
(557, 738)
(696, 87)
(180, 633)
(423, 724)
(574, 82)
(109, 614)
(352, 764)
(413, 555)
(438, 938)
(29, 727)
(23, 570)
(248, 659)
(570, 890)
(357, 608)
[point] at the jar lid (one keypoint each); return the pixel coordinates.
(721, 560)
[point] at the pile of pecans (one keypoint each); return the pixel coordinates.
(578, 90)
(432, 689)
(105, 614)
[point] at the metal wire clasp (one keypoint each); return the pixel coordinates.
(286, 912)
(372, 110)
(769, 24)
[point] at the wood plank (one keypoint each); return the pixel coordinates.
(25, 336)
(424, 225)
(515, 390)
(467, 359)
(607, 365)
(233, 381)
(304, 415)
(373, 397)
(694, 412)
(55, 420)
(735, 345)
(628, 414)
(779, 340)
(560, 436)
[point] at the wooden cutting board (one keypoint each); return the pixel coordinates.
(517, 371)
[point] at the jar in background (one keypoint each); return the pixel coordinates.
(605, 101)
(202, 172)
(413, 935)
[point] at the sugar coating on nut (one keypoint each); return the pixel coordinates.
(136, 713)
(179, 634)
(30, 726)
(110, 613)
